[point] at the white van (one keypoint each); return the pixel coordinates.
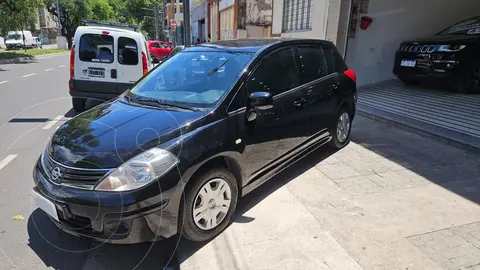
(104, 62)
(19, 39)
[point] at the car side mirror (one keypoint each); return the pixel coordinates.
(155, 61)
(258, 101)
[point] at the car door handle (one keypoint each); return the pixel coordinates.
(299, 102)
(113, 73)
(335, 86)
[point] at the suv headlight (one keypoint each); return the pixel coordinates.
(139, 171)
(451, 48)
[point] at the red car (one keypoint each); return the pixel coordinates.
(159, 49)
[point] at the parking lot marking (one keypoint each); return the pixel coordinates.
(48, 69)
(2, 82)
(61, 65)
(6, 160)
(28, 75)
(53, 122)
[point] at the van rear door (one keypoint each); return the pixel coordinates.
(129, 65)
(96, 65)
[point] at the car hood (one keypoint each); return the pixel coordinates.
(451, 39)
(110, 134)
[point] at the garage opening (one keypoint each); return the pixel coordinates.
(415, 59)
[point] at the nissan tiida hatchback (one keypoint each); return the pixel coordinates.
(205, 127)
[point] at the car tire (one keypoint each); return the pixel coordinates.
(342, 129)
(197, 198)
(467, 84)
(79, 104)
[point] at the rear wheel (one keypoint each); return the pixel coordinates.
(79, 104)
(209, 205)
(341, 132)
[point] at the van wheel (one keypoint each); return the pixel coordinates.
(79, 104)
(341, 131)
(208, 206)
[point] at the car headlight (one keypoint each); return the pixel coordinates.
(451, 48)
(139, 171)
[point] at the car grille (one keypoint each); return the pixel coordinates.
(418, 48)
(76, 177)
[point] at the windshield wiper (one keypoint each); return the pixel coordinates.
(213, 71)
(162, 104)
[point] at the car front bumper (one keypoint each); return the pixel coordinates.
(148, 214)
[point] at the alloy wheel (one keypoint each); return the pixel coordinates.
(211, 204)
(343, 127)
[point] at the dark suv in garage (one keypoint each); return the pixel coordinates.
(205, 127)
(452, 56)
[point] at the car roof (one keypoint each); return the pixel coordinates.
(249, 45)
(106, 28)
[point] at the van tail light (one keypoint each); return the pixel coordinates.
(351, 74)
(72, 62)
(144, 63)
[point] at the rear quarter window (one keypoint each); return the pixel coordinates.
(333, 59)
(96, 48)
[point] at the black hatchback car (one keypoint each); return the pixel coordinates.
(205, 127)
(451, 56)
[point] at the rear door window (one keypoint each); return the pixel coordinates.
(127, 51)
(96, 48)
(276, 74)
(155, 45)
(313, 64)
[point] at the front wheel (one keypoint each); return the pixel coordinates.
(79, 104)
(468, 83)
(341, 132)
(209, 205)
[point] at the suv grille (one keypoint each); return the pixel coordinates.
(76, 177)
(418, 48)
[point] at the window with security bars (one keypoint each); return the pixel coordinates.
(297, 15)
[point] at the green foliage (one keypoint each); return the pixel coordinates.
(16, 14)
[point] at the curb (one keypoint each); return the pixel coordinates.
(29, 59)
(450, 137)
(17, 60)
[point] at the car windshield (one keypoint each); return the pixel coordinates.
(466, 27)
(191, 79)
(14, 36)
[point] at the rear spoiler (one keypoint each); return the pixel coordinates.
(126, 26)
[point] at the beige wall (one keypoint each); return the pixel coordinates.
(324, 13)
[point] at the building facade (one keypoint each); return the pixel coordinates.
(230, 19)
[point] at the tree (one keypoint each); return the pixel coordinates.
(72, 12)
(16, 14)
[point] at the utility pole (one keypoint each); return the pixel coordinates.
(156, 11)
(186, 22)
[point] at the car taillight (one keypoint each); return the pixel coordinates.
(72, 62)
(351, 74)
(144, 63)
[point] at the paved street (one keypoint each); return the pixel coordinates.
(389, 200)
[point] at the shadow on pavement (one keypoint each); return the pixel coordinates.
(63, 251)
(416, 159)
